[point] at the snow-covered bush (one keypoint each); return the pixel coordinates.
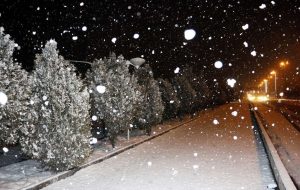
(151, 112)
(58, 130)
(14, 91)
(185, 93)
(199, 84)
(115, 95)
(218, 96)
(169, 98)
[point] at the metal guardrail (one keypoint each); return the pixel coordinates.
(282, 177)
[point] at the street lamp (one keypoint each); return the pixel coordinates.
(275, 81)
(283, 63)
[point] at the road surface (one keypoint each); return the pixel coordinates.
(216, 151)
(288, 108)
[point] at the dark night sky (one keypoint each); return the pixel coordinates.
(274, 32)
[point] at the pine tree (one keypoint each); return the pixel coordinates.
(59, 128)
(115, 95)
(169, 97)
(14, 86)
(152, 110)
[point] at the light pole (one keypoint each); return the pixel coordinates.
(275, 81)
(266, 86)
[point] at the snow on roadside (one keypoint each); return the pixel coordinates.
(30, 172)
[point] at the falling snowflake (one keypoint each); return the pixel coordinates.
(245, 44)
(113, 40)
(234, 113)
(45, 98)
(272, 186)
(149, 164)
(218, 64)
(174, 172)
(262, 6)
(195, 154)
(176, 70)
(231, 82)
(281, 94)
(101, 89)
(136, 36)
(216, 122)
(189, 34)
(253, 53)
(33, 32)
(171, 101)
(81, 4)
(93, 140)
(94, 118)
(75, 38)
(235, 137)
(3, 98)
(195, 167)
(5, 149)
(84, 28)
(245, 27)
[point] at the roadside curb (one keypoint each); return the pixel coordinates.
(69, 173)
(282, 177)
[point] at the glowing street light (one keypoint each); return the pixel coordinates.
(275, 81)
(283, 63)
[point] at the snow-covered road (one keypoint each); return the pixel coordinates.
(216, 151)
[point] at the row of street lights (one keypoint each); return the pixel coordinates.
(282, 64)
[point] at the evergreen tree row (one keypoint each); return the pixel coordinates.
(50, 111)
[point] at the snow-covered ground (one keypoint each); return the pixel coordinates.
(216, 151)
(285, 138)
(29, 173)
